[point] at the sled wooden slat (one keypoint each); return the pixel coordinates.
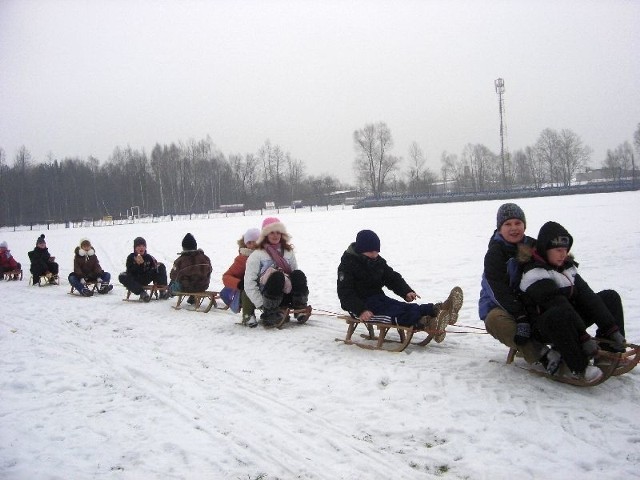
(93, 286)
(12, 275)
(200, 298)
(405, 335)
(153, 290)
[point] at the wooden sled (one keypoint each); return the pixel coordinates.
(44, 281)
(153, 290)
(12, 275)
(200, 297)
(405, 334)
(626, 361)
(608, 370)
(303, 313)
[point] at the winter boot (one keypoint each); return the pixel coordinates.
(551, 361)
(299, 302)
(145, 297)
(272, 315)
(86, 292)
(450, 307)
(105, 288)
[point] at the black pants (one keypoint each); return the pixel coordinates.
(134, 283)
(274, 286)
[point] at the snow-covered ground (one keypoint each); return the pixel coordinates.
(101, 388)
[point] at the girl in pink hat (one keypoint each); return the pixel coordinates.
(272, 279)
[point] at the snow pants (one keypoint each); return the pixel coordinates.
(390, 310)
(134, 283)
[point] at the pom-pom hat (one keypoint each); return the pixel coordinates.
(273, 224)
(40, 240)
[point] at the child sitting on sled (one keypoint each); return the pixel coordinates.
(8, 264)
(142, 269)
(363, 273)
(272, 280)
(86, 268)
(42, 264)
(233, 279)
(562, 305)
(191, 271)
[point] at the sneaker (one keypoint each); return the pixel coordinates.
(250, 321)
(164, 294)
(86, 292)
(105, 288)
(551, 361)
(451, 306)
(435, 325)
(591, 374)
(145, 297)
(191, 300)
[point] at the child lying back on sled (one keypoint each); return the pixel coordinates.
(561, 304)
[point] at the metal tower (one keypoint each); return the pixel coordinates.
(499, 84)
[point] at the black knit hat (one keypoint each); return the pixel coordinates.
(553, 235)
(508, 211)
(189, 242)
(139, 241)
(367, 241)
(40, 240)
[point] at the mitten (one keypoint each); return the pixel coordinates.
(241, 285)
(523, 333)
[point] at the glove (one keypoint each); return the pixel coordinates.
(523, 333)
(241, 285)
(83, 281)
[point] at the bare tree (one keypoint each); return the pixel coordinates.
(573, 155)
(417, 161)
(447, 168)
(548, 151)
(373, 163)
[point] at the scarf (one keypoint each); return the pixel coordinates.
(276, 256)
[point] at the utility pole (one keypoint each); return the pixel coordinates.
(499, 84)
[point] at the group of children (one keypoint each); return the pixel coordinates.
(532, 297)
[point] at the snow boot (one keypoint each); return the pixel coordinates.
(272, 315)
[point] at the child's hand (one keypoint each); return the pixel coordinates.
(139, 260)
(411, 296)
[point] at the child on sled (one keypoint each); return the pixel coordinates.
(191, 271)
(42, 264)
(562, 305)
(142, 269)
(233, 278)
(272, 280)
(363, 273)
(86, 268)
(8, 264)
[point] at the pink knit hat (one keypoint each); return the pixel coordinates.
(273, 224)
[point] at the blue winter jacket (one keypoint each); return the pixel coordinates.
(501, 277)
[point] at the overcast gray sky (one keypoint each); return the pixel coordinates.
(78, 78)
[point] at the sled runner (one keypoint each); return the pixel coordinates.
(199, 299)
(301, 316)
(611, 364)
(44, 281)
(12, 275)
(153, 291)
(405, 335)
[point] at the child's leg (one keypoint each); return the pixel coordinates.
(613, 302)
(558, 326)
(501, 325)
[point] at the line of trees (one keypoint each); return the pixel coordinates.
(191, 177)
(554, 159)
(195, 177)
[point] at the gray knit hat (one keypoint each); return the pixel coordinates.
(508, 211)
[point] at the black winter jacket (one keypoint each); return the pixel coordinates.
(148, 266)
(360, 277)
(40, 261)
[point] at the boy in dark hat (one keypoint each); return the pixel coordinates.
(43, 264)
(361, 275)
(561, 304)
(191, 271)
(142, 269)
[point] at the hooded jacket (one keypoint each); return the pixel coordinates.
(86, 265)
(192, 270)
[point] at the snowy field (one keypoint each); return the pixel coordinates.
(98, 388)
